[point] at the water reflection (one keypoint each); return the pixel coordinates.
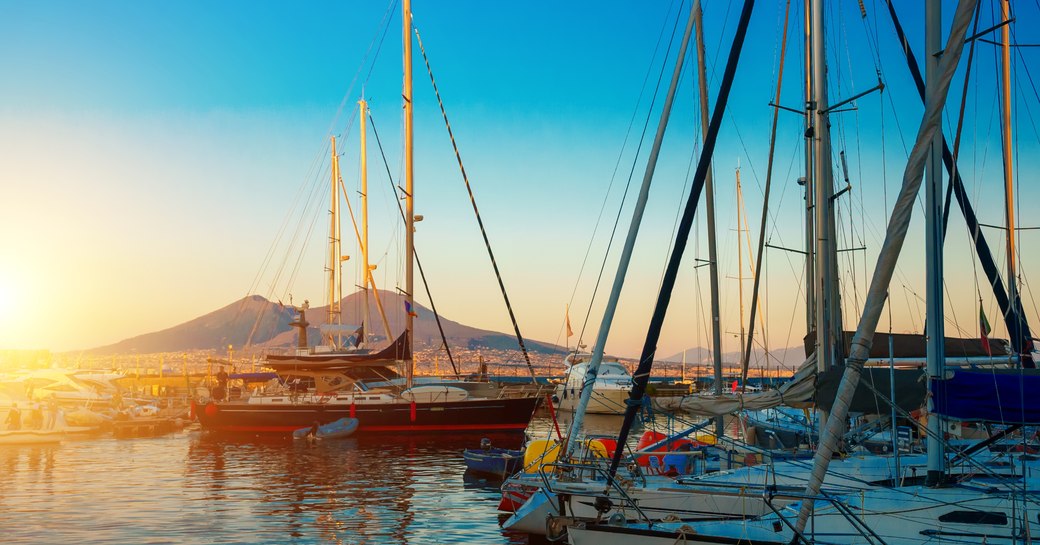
(366, 490)
(193, 488)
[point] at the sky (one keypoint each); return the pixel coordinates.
(160, 160)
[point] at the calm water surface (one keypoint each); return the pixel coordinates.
(193, 488)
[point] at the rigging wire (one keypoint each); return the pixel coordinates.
(473, 201)
(757, 274)
(613, 176)
(377, 41)
(631, 172)
(418, 263)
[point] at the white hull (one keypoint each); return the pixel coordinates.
(601, 402)
(899, 516)
(736, 494)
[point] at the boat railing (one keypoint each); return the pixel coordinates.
(603, 503)
(514, 391)
(861, 527)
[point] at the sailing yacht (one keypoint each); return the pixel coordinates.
(328, 383)
(982, 507)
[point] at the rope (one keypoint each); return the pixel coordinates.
(473, 201)
(422, 275)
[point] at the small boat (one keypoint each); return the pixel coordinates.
(492, 461)
(333, 430)
(30, 437)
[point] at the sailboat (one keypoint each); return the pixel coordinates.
(328, 383)
(986, 509)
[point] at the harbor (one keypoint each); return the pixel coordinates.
(744, 273)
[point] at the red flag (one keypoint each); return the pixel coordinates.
(570, 332)
(984, 331)
(735, 385)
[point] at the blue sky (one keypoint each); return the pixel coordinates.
(150, 151)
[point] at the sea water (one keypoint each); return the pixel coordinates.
(190, 487)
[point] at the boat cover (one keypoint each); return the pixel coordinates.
(912, 345)
(910, 390)
(993, 395)
(797, 392)
(396, 351)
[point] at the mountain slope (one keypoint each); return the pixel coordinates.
(265, 324)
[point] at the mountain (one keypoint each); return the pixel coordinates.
(231, 324)
(265, 324)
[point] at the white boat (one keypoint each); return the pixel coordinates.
(983, 513)
(727, 495)
(609, 391)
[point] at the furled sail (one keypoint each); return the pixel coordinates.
(797, 392)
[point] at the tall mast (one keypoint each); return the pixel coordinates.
(409, 173)
(367, 322)
(334, 252)
(1009, 196)
(810, 237)
(933, 240)
(740, 268)
(828, 312)
(709, 203)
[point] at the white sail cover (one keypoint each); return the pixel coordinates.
(797, 392)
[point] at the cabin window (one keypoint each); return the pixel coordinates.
(975, 517)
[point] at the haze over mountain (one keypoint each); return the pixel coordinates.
(261, 323)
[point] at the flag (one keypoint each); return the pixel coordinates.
(359, 335)
(570, 332)
(408, 309)
(984, 330)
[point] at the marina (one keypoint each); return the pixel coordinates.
(603, 352)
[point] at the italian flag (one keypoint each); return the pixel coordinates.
(984, 330)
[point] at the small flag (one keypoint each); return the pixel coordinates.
(570, 332)
(359, 335)
(408, 309)
(735, 385)
(984, 330)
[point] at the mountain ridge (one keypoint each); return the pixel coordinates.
(263, 324)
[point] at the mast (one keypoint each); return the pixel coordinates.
(1009, 196)
(828, 311)
(641, 376)
(740, 271)
(592, 369)
(709, 203)
(810, 237)
(895, 235)
(933, 242)
(409, 193)
(333, 315)
(367, 282)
